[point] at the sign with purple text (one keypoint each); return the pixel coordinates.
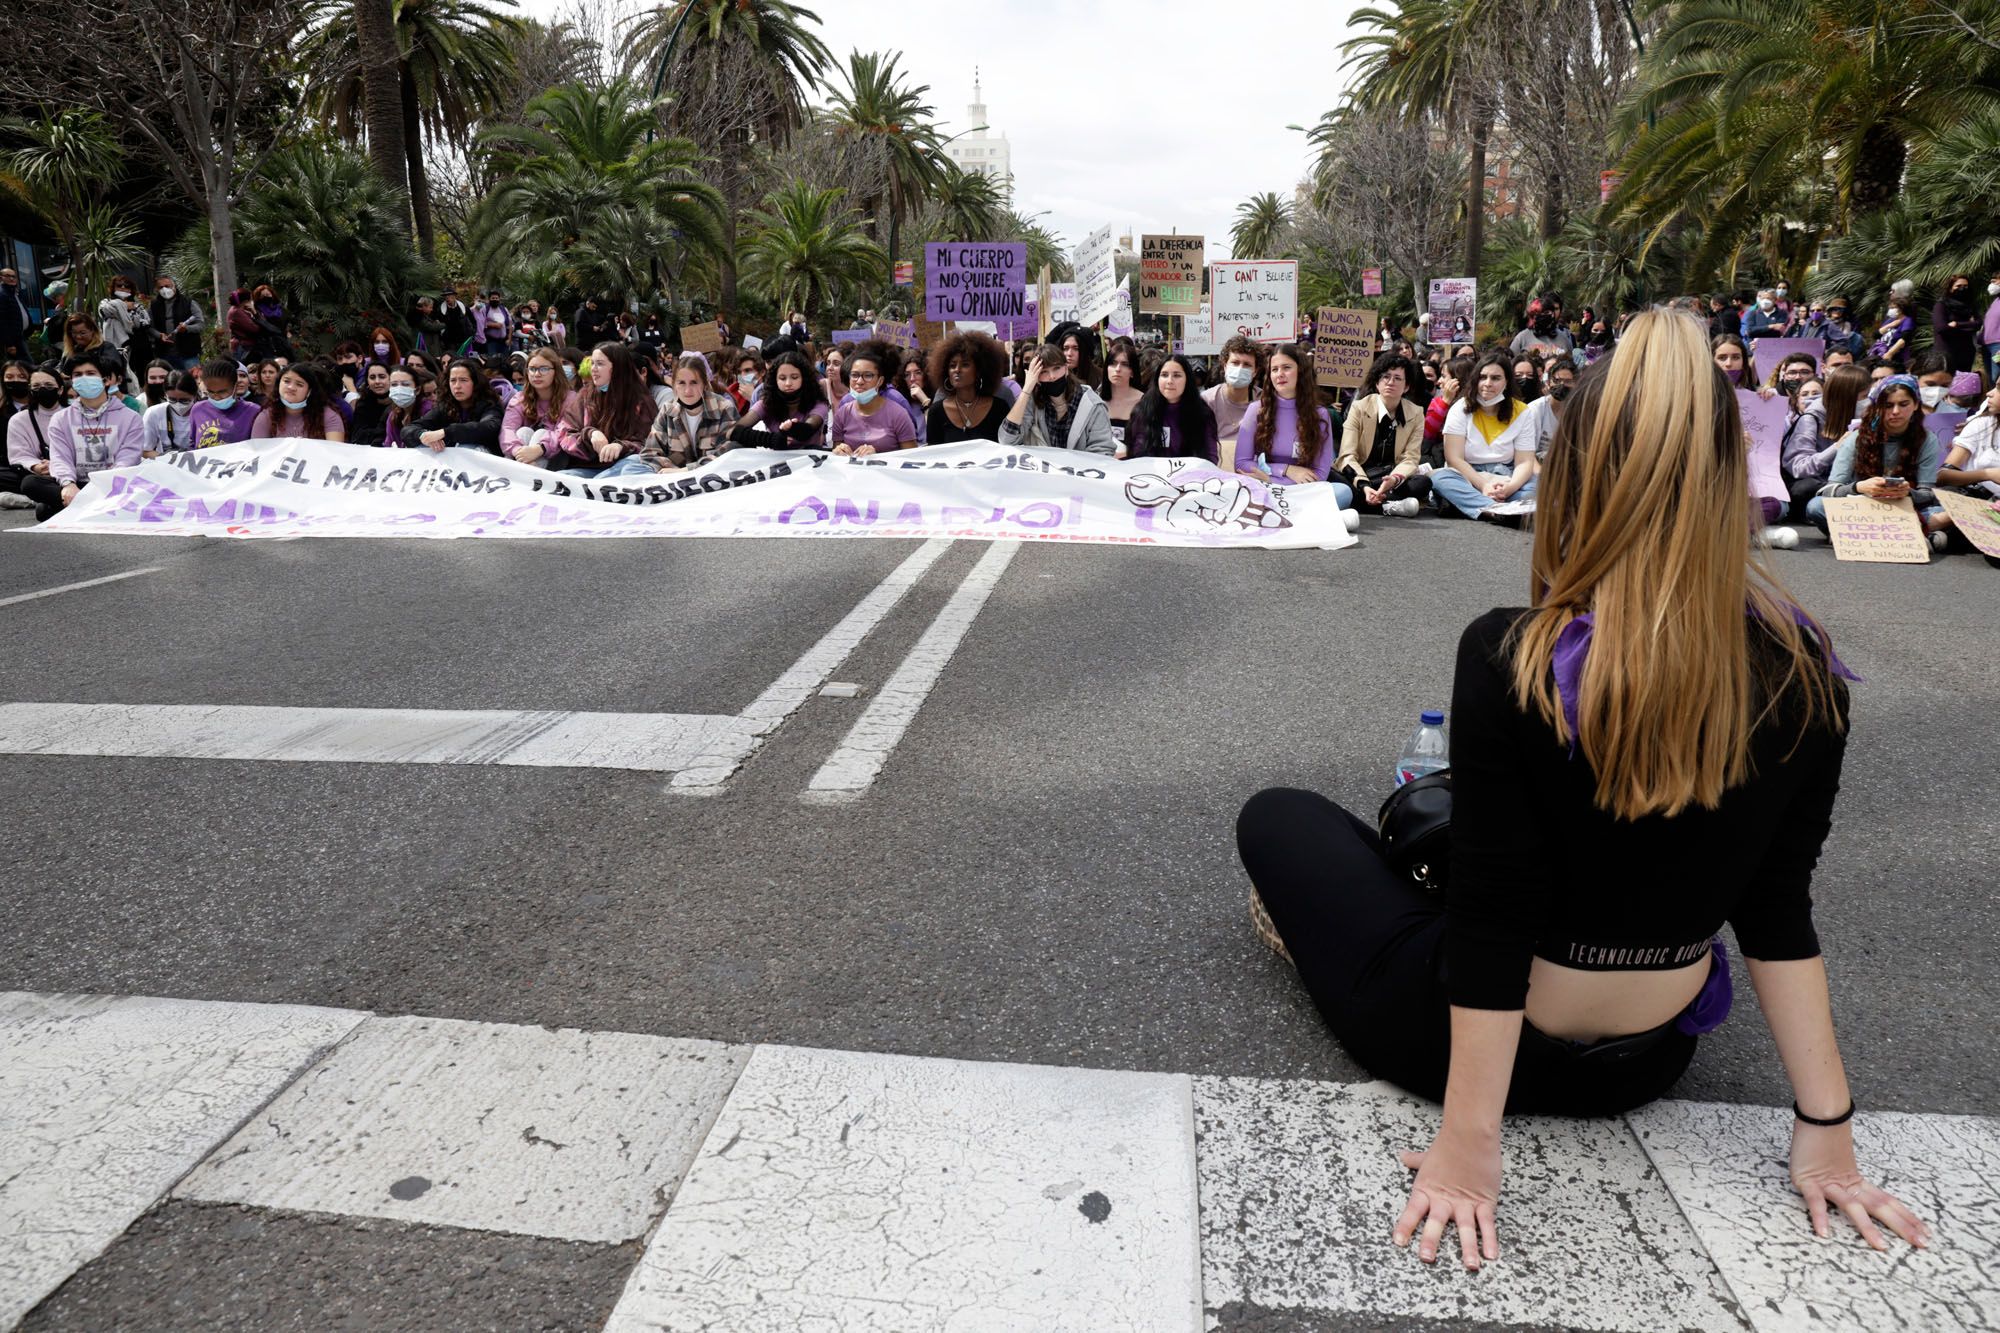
(975, 280)
(1876, 531)
(853, 335)
(301, 488)
(897, 333)
(1371, 282)
(1978, 519)
(1764, 422)
(1766, 353)
(1454, 309)
(1257, 298)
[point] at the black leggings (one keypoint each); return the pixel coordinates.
(1369, 946)
(1416, 487)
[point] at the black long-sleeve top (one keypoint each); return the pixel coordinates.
(479, 431)
(1537, 870)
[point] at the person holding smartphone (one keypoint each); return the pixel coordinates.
(1889, 457)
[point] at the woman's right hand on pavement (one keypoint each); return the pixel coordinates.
(1458, 1181)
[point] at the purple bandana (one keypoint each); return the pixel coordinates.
(1711, 1005)
(1573, 647)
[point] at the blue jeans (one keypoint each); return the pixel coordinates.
(629, 466)
(1343, 494)
(1448, 487)
(1993, 360)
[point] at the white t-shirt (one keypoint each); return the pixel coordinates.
(165, 431)
(1982, 437)
(1458, 421)
(1532, 429)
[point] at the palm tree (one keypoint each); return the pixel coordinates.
(806, 246)
(737, 82)
(1423, 60)
(968, 206)
(880, 116)
(454, 61)
(1801, 108)
(1046, 249)
(583, 179)
(67, 164)
(381, 90)
(1262, 221)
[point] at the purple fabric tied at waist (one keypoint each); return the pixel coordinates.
(1708, 1008)
(1573, 648)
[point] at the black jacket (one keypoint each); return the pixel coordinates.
(481, 431)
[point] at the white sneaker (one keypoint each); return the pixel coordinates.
(15, 500)
(1781, 539)
(1352, 518)
(1939, 540)
(1406, 508)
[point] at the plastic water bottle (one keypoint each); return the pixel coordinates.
(1426, 751)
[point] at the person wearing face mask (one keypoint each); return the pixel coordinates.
(1543, 332)
(383, 349)
(867, 421)
(1955, 324)
(1383, 442)
(14, 319)
(409, 402)
(222, 416)
(1892, 338)
(27, 432)
(169, 426)
(1933, 375)
(746, 377)
(1054, 411)
(1479, 470)
(14, 376)
(177, 321)
(368, 425)
(94, 433)
(298, 410)
(157, 375)
(1533, 428)
(1764, 319)
(1825, 410)
(1989, 329)
(1782, 297)
(122, 318)
(1229, 400)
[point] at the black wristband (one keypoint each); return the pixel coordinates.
(1840, 1119)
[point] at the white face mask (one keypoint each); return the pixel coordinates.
(1993, 289)
(1238, 377)
(1494, 401)
(179, 409)
(166, 293)
(1783, 290)
(1767, 305)
(1931, 394)
(1894, 314)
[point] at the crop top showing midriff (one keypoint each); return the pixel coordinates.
(1539, 871)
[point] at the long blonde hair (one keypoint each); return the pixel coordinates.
(1643, 519)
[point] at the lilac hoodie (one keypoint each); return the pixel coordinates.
(82, 442)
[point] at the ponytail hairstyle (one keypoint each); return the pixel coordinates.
(1306, 452)
(1641, 521)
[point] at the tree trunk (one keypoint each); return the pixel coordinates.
(1878, 170)
(381, 91)
(221, 248)
(413, 153)
(1475, 200)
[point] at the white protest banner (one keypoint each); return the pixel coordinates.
(1257, 298)
(294, 488)
(1198, 334)
(1170, 274)
(1876, 531)
(1120, 323)
(1063, 308)
(1764, 422)
(1096, 276)
(1454, 309)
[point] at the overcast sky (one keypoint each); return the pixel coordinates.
(1153, 114)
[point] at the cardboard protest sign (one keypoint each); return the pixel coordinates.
(1257, 298)
(897, 333)
(975, 280)
(1170, 274)
(1198, 334)
(1977, 519)
(929, 333)
(1096, 277)
(1343, 346)
(701, 337)
(1764, 421)
(1120, 323)
(1876, 531)
(1454, 309)
(853, 335)
(1371, 282)
(1766, 353)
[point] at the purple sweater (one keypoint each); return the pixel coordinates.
(82, 442)
(1284, 441)
(212, 426)
(1990, 330)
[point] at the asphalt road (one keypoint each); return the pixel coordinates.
(1043, 872)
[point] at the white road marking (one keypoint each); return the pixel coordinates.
(86, 583)
(887, 1192)
(1729, 1168)
(105, 1102)
(852, 768)
(706, 774)
(1300, 1185)
(567, 1134)
(647, 742)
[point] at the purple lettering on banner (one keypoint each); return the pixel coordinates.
(1050, 514)
(812, 504)
(853, 335)
(975, 280)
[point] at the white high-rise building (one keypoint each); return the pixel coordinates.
(980, 150)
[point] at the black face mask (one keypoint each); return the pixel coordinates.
(1050, 390)
(45, 396)
(156, 393)
(1560, 392)
(17, 389)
